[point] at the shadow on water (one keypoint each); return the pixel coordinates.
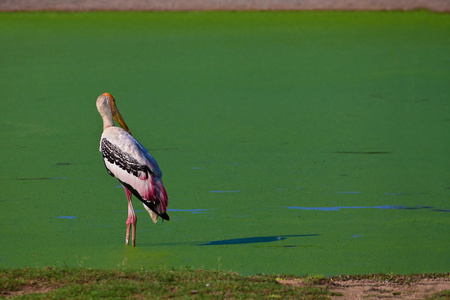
(240, 241)
(252, 240)
(362, 152)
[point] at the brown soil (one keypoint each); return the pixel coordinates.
(185, 5)
(376, 289)
(398, 287)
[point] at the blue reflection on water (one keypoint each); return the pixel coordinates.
(252, 240)
(335, 208)
(66, 217)
(396, 194)
(43, 178)
(193, 211)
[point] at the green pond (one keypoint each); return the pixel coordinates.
(290, 142)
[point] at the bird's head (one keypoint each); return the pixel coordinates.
(106, 101)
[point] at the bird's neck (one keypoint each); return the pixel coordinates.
(107, 121)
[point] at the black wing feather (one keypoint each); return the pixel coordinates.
(124, 160)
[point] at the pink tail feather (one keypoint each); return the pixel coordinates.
(161, 195)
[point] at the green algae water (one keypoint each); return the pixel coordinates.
(290, 142)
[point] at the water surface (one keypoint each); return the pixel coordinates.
(290, 142)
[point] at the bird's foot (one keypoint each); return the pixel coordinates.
(131, 224)
(127, 240)
(133, 238)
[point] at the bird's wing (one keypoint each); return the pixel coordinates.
(150, 160)
(128, 170)
(127, 160)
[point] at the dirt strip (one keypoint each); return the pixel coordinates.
(376, 289)
(199, 5)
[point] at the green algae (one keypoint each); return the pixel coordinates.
(248, 114)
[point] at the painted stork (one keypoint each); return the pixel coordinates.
(127, 160)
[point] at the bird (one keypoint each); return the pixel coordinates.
(133, 166)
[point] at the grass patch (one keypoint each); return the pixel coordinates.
(441, 295)
(161, 283)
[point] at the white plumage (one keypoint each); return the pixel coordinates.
(127, 160)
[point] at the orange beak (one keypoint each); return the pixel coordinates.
(116, 114)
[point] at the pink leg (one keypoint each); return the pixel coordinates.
(131, 221)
